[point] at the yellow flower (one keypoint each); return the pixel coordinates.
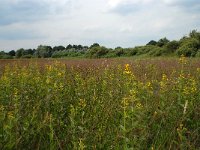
(125, 102)
(149, 85)
(164, 77)
(10, 115)
(183, 59)
(163, 82)
(55, 85)
(15, 92)
(50, 68)
(1, 108)
(82, 103)
(127, 69)
(139, 105)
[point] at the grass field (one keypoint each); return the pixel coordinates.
(100, 104)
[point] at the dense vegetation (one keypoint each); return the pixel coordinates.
(100, 104)
(188, 46)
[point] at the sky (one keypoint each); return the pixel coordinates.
(111, 23)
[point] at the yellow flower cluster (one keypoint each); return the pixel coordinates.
(139, 105)
(190, 87)
(10, 115)
(127, 69)
(163, 82)
(183, 60)
(149, 85)
(125, 102)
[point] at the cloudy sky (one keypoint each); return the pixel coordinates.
(112, 23)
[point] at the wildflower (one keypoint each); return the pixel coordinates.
(139, 105)
(190, 87)
(183, 60)
(149, 85)
(81, 144)
(10, 115)
(163, 82)
(82, 103)
(127, 69)
(1, 108)
(59, 74)
(125, 102)
(164, 77)
(49, 68)
(133, 93)
(15, 92)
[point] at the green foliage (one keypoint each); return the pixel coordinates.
(94, 45)
(195, 34)
(188, 47)
(198, 53)
(6, 56)
(43, 51)
(121, 106)
(11, 53)
(162, 42)
(58, 48)
(143, 49)
(19, 53)
(172, 46)
(119, 51)
(96, 52)
(27, 56)
(152, 42)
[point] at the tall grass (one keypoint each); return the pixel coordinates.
(131, 106)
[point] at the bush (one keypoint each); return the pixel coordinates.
(27, 56)
(6, 56)
(188, 47)
(198, 53)
(172, 46)
(97, 52)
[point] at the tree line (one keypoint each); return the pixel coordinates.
(188, 46)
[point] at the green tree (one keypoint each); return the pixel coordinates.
(119, 51)
(58, 48)
(194, 34)
(188, 47)
(11, 53)
(95, 45)
(152, 42)
(97, 52)
(162, 42)
(69, 47)
(43, 51)
(19, 53)
(172, 46)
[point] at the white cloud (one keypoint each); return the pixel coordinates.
(28, 23)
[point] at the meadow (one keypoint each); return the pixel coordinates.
(150, 103)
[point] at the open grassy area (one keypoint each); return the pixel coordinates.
(100, 103)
